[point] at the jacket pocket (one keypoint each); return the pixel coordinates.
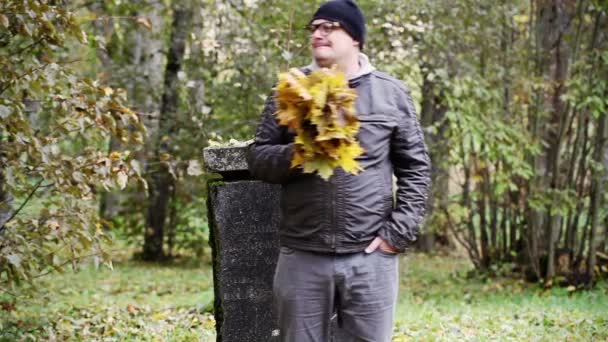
(287, 250)
(385, 254)
(374, 136)
(364, 206)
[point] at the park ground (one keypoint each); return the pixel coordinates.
(438, 301)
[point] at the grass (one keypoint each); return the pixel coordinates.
(135, 301)
(437, 302)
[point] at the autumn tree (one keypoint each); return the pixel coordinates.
(54, 125)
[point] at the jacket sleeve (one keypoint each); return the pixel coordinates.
(412, 167)
(269, 156)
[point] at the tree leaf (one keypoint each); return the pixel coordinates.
(5, 112)
(135, 166)
(145, 22)
(78, 176)
(320, 109)
(121, 179)
(521, 18)
(194, 168)
(4, 20)
(14, 259)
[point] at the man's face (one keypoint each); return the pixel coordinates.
(330, 43)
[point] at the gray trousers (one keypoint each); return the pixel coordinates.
(312, 288)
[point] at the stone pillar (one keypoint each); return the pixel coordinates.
(244, 218)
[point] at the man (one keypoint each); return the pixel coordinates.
(340, 238)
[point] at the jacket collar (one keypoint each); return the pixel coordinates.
(365, 68)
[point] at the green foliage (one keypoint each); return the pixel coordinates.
(483, 62)
(133, 38)
(192, 229)
(53, 122)
(241, 65)
(516, 137)
(189, 228)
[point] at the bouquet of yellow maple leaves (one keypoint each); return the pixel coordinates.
(320, 109)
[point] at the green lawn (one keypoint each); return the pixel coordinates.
(145, 302)
(135, 301)
(438, 303)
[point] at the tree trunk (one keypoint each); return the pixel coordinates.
(161, 181)
(432, 113)
(597, 186)
(465, 202)
(534, 216)
(579, 258)
(604, 244)
(515, 223)
(504, 248)
(580, 183)
(597, 182)
(172, 222)
(494, 228)
(506, 41)
(6, 200)
(482, 190)
(133, 65)
(554, 24)
(109, 203)
(571, 226)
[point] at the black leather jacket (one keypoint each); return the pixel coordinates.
(345, 213)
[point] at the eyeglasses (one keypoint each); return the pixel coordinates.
(326, 27)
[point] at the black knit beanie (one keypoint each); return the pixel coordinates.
(348, 14)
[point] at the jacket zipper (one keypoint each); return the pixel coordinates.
(333, 213)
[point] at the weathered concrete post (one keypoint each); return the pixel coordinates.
(244, 218)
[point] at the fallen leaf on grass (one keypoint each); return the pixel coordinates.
(132, 309)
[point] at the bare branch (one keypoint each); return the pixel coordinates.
(29, 197)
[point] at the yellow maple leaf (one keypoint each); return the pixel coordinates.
(331, 148)
(321, 165)
(347, 155)
(320, 109)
